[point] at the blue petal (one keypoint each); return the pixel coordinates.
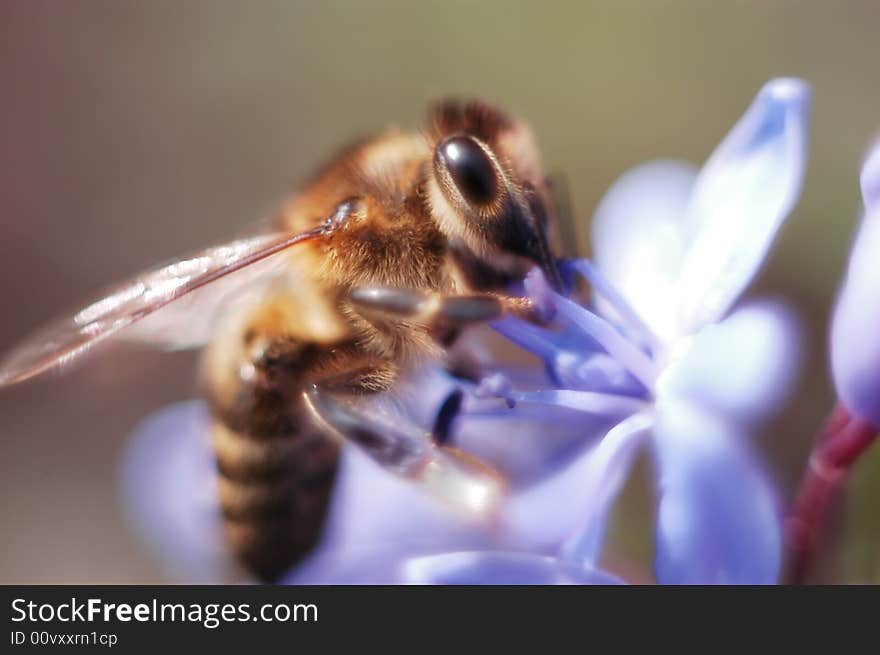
(741, 368)
(373, 512)
(364, 567)
(573, 502)
(743, 194)
(717, 520)
(855, 348)
(638, 241)
(499, 568)
(377, 518)
(523, 443)
(529, 442)
(169, 488)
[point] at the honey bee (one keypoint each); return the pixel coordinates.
(391, 250)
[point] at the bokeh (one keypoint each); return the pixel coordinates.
(131, 132)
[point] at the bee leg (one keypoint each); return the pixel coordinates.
(391, 444)
(357, 425)
(441, 313)
(405, 451)
(339, 401)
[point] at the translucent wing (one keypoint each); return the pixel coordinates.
(66, 338)
(191, 321)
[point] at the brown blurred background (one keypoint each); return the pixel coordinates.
(134, 131)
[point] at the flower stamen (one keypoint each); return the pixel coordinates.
(612, 341)
(603, 286)
(591, 402)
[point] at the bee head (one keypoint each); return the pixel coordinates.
(486, 190)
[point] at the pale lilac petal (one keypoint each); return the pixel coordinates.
(169, 488)
(718, 521)
(743, 194)
(379, 566)
(637, 239)
(499, 568)
(742, 368)
(855, 323)
(611, 464)
(522, 442)
(573, 502)
(855, 326)
(374, 511)
(527, 442)
(376, 521)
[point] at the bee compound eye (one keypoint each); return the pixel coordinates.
(470, 168)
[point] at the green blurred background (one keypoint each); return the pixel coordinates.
(134, 131)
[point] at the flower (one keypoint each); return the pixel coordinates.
(854, 423)
(381, 528)
(385, 530)
(674, 249)
(855, 349)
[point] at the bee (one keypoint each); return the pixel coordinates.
(373, 269)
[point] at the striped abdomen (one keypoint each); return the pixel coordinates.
(276, 468)
(274, 488)
(276, 465)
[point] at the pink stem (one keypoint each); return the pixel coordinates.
(841, 442)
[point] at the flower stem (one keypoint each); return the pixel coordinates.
(842, 440)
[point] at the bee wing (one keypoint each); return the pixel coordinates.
(68, 337)
(191, 321)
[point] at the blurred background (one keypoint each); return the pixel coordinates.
(131, 132)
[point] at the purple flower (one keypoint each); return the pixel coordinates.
(855, 349)
(674, 249)
(381, 528)
(853, 425)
